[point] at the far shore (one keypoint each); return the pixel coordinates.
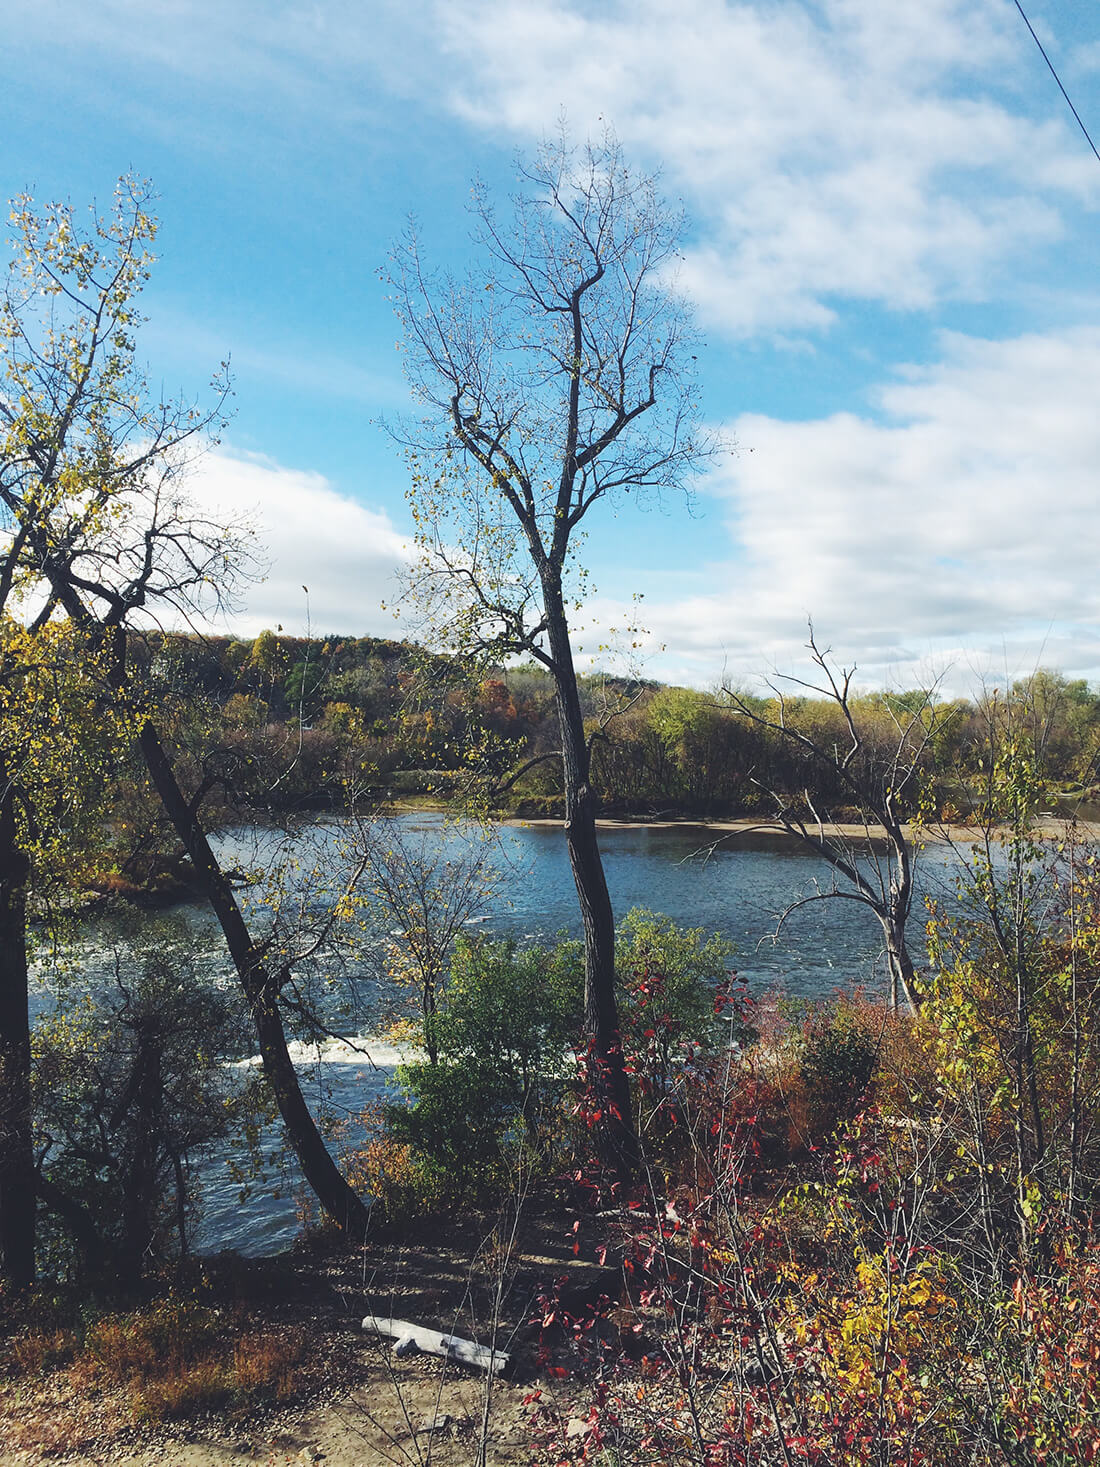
(758, 833)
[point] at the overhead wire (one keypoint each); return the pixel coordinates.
(1058, 79)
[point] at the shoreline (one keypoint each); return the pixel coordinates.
(760, 832)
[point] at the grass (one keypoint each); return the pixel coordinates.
(170, 1359)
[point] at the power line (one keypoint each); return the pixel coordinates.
(1057, 78)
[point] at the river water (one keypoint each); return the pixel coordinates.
(733, 888)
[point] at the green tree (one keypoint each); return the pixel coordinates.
(557, 377)
(669, 977)
(1062, 720)
(101, 533)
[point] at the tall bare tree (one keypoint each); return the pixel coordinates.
(558, 374)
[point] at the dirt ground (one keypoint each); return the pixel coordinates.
(755, 834)
(354, 1404)
(412, 1415)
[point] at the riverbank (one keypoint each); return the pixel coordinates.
(764, 835)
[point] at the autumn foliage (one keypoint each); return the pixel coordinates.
(836, 1259)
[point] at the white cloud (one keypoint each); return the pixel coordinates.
(844, 149)
(308, 535)
(957, 526)
(847, 149)
(960, 526)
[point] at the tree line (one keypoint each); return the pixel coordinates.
(368, 714)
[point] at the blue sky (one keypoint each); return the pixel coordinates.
(892, 253)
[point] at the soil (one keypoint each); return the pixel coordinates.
(354, 1401)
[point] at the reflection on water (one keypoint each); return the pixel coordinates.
(726, 888)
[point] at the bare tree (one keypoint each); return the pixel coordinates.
(431, 890)
(558, 374)
(878, 779)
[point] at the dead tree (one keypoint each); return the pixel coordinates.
(878, 785)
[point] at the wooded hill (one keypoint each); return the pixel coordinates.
(317, 723)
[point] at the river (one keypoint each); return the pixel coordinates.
(733, 889)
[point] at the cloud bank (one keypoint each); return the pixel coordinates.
(960, 526)
(841, 150)
(306, 535)
(956, 525)
(844, 150)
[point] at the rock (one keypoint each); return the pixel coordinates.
(441, 1423)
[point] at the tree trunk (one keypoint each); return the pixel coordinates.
(17, 1172)
(606, 1069)
(139, 1193)
(261, 988)
(903, 976)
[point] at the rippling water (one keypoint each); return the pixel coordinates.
(732, 889)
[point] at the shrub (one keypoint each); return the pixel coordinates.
(669, 979)
(514, 1011)
(502, 1036)
(461, 1121)
(386, 1170)
(837, 1067)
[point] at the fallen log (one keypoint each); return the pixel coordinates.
(408, 1338)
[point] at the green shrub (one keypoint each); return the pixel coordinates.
(519, 1009)
(672, 981)
(459, 1125)
(505, 1034)
(504, 1031)
(837, 1068)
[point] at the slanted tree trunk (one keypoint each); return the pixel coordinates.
(260, 985)
(606, 1069)
(17, 1172)
(261, 988)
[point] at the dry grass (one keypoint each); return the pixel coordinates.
(169, 1360)
(39, 1350)
(178, 1359)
